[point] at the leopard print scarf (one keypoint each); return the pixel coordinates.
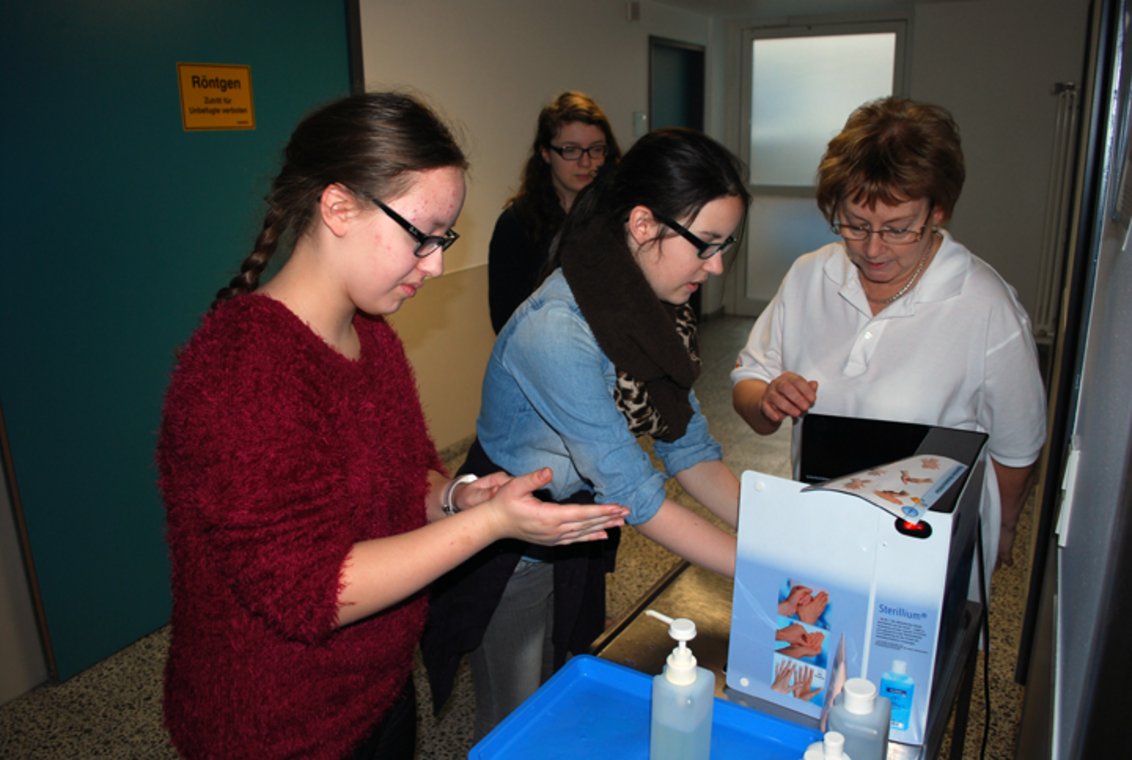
(651, 343)
(632, 397)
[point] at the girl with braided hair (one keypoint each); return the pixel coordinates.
(307, 507)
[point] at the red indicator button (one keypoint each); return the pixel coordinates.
(915, 530)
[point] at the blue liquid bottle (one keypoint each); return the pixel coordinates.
(899, 687)
(683, 697)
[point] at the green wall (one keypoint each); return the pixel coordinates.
(118, 227)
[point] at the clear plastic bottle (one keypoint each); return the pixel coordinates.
(683, 697)
(863, 717)
(831, 747)
(899, 687)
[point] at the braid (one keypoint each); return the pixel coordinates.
(274, 225)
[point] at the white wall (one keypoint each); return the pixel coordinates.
(490, 66)
(993, 64)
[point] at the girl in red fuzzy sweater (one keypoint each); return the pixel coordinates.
(307, 509)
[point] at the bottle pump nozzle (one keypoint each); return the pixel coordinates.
(681, 667)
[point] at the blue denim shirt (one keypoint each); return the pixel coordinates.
(548, 402)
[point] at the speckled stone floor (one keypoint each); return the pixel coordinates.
(113, 710)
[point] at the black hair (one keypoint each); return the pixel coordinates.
(674, 172)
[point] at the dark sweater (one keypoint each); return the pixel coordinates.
(276, 455)
(516, 257)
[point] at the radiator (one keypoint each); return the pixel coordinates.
(1054, 243)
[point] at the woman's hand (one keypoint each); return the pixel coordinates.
(519, 514)
(765, 405)
(788, 395)
(380, 572)
(479, 490)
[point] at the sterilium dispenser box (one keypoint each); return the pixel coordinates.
(859, 567)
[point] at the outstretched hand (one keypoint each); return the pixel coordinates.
(522, 515)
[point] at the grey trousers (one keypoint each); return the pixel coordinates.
(517, 653)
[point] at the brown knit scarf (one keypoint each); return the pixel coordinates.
(651, 343)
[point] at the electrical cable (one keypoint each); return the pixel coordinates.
(986, 637)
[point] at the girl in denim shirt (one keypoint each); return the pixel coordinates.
(604, 352)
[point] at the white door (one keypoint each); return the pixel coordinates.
(799, 85)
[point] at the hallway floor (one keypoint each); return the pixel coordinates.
(113, 710)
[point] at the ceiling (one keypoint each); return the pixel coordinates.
(784, 8)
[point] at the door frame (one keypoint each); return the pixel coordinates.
(657, 44)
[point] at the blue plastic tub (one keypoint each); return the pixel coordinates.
(595, 709)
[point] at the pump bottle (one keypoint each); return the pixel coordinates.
(831, 747)
(863, 717)
(682, 700)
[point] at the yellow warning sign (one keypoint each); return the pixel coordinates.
(216, 96)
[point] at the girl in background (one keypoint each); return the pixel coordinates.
(573, 144)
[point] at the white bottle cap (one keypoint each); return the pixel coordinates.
(833, 745)
(860, 696)
(899, 666)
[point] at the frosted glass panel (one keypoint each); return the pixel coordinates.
(780, 230)
(802, 90)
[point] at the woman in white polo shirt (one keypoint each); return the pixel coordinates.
(898, 320)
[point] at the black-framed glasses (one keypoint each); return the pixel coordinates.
(426, 244)
(574, 152)
(704, 249)
(890, 235)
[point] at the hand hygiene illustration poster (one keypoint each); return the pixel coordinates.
(906, 488)
(825, 585)
(796, 597)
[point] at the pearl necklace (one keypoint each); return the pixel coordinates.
(911, 280)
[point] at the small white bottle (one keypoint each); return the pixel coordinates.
(831, 747)
(899, 687)
(863, 717)
(683, 697)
